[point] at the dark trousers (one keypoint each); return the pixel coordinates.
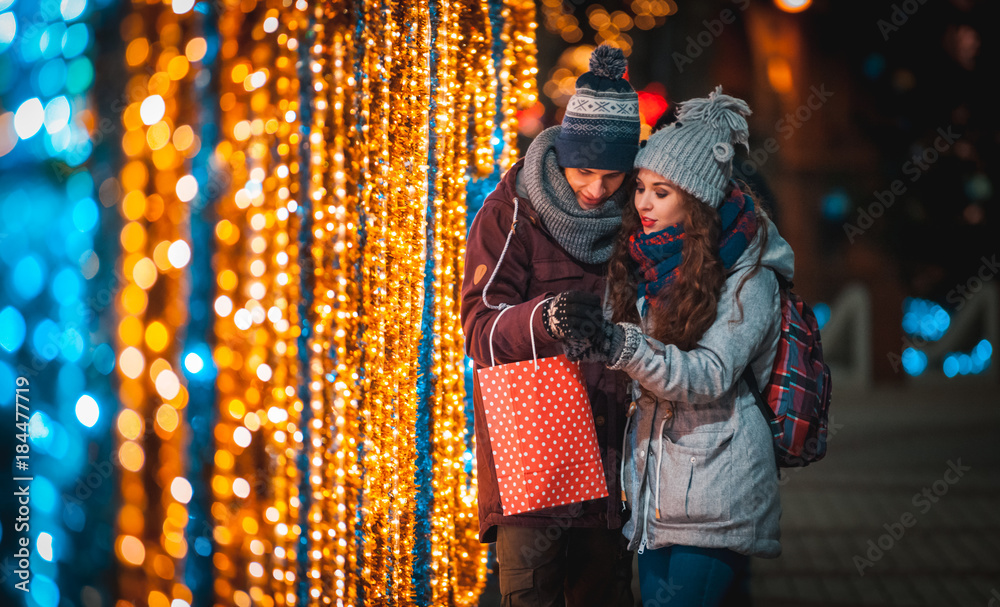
(556, 567)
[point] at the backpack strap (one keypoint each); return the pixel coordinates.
(766, 411)
(772, 420)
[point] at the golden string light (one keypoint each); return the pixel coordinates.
(517, 73)
(158, 190)
(334, 350)
(283, 409)
(320, 242)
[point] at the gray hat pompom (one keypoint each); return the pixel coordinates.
(608, 62)
(721, 112)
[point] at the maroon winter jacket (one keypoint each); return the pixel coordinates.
(535, 267)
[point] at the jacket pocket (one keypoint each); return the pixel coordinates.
(517, 586)
(694, 481)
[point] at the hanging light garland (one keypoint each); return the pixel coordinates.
(157, 190)
(335, 191)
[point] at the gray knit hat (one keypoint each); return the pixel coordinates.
(696, 151)
(601, 127)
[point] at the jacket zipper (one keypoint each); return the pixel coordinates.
(645, 476)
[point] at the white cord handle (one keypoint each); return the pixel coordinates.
(531, 332)
(506, 245)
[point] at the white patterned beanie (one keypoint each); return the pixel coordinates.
(600, 129)
(696, 152)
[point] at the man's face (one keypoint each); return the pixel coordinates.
(593, 186)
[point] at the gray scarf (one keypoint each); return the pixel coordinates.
(588, 235)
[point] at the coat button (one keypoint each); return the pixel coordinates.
(599, 420)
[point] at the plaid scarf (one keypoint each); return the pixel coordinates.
(659, 254)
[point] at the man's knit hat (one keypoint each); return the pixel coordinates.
(601, 127)
(696, 151)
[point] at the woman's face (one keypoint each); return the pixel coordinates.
(658, 202)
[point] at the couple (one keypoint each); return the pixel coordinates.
(686, 264)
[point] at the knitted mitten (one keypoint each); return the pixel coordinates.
(605, 346)
(572, 315)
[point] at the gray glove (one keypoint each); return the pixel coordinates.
(604, 346)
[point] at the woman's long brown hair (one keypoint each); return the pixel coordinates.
(691, 305)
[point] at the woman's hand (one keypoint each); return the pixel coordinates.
(605, 345)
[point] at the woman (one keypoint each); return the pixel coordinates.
(693, 300)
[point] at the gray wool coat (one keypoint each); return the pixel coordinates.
(699, 465)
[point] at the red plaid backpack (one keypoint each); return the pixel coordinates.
(796, 400)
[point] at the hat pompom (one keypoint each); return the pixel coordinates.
(608, 62)
(720, 112)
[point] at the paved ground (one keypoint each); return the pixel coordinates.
(904, 510)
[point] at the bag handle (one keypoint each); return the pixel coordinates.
(531, 332)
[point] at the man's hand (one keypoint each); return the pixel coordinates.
(573, 315)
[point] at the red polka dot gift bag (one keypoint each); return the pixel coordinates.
(542, 432)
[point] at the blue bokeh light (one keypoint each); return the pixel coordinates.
(104, 359)
(969, 363)
(74, 517)
(925, 319)
(12, 329)
(836, 204)
(51, 77)
(39, 427)
(71, 345)
(8, 30)
(822, 312)
(44, 495)
(7, 384)
(29, 276)
(50, 42)
(950, 366)
(45, 339)
(85, 214)
(66, 286)
(44, 591)
(75, 40)
(914, 361)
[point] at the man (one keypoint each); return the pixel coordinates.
(568, 193)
